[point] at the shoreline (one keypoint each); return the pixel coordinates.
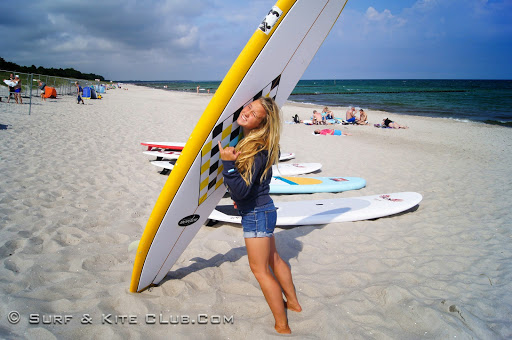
(76, 191)
(408, 93)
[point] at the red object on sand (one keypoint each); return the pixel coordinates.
(50, 92)
(164, 145)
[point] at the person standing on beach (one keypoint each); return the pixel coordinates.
(11, 88)
(247, 173)
(17, 90)
(78, 91)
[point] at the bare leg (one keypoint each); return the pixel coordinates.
(284, 277)
(258, 251)
(395, 125)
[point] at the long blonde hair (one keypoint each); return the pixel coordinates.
(265, 137)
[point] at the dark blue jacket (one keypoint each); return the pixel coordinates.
(254, 195)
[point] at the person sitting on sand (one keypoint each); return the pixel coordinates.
(391, 124)
(363, 118)
(334, 132)
(351, 115)
(42, 87)
(327, 114)
(317, 118)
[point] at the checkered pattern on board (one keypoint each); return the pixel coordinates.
(229, 133)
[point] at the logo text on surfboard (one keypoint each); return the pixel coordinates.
(270, 20)
(186, 221)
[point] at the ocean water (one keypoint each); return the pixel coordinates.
(486, 101)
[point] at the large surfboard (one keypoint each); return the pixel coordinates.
(310, 185)
(270, 64)
(331, 210)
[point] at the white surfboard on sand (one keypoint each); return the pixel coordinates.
(284, 156)
(163, 154)
(330, 210)
(309, 185)
(270, 65)
(292, 169)
(277, 170)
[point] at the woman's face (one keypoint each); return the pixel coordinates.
(251, 116)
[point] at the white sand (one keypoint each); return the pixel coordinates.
(76, 191)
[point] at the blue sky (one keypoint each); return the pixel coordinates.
(200, 39)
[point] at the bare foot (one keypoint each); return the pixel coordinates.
(293, 306)
(283, 329)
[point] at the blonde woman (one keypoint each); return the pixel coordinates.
(327, 113)
(247, 173)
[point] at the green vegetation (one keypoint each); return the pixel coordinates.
(64, 73)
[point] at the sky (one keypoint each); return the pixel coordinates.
(200, 39)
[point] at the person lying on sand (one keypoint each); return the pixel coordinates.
(334, 132)
(392, 124)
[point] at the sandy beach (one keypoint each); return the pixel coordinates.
(76, 191)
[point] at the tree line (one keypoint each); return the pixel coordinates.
(56, 72)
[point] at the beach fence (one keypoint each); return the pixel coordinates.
(30, 92)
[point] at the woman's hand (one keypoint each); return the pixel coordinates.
(228, 154)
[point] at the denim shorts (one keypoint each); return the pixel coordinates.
(260, 221)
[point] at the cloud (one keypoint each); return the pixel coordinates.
(71, 32)
(429, 39)
(384, 17)
(200, 39)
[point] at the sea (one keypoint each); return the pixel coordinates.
(484, 101)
